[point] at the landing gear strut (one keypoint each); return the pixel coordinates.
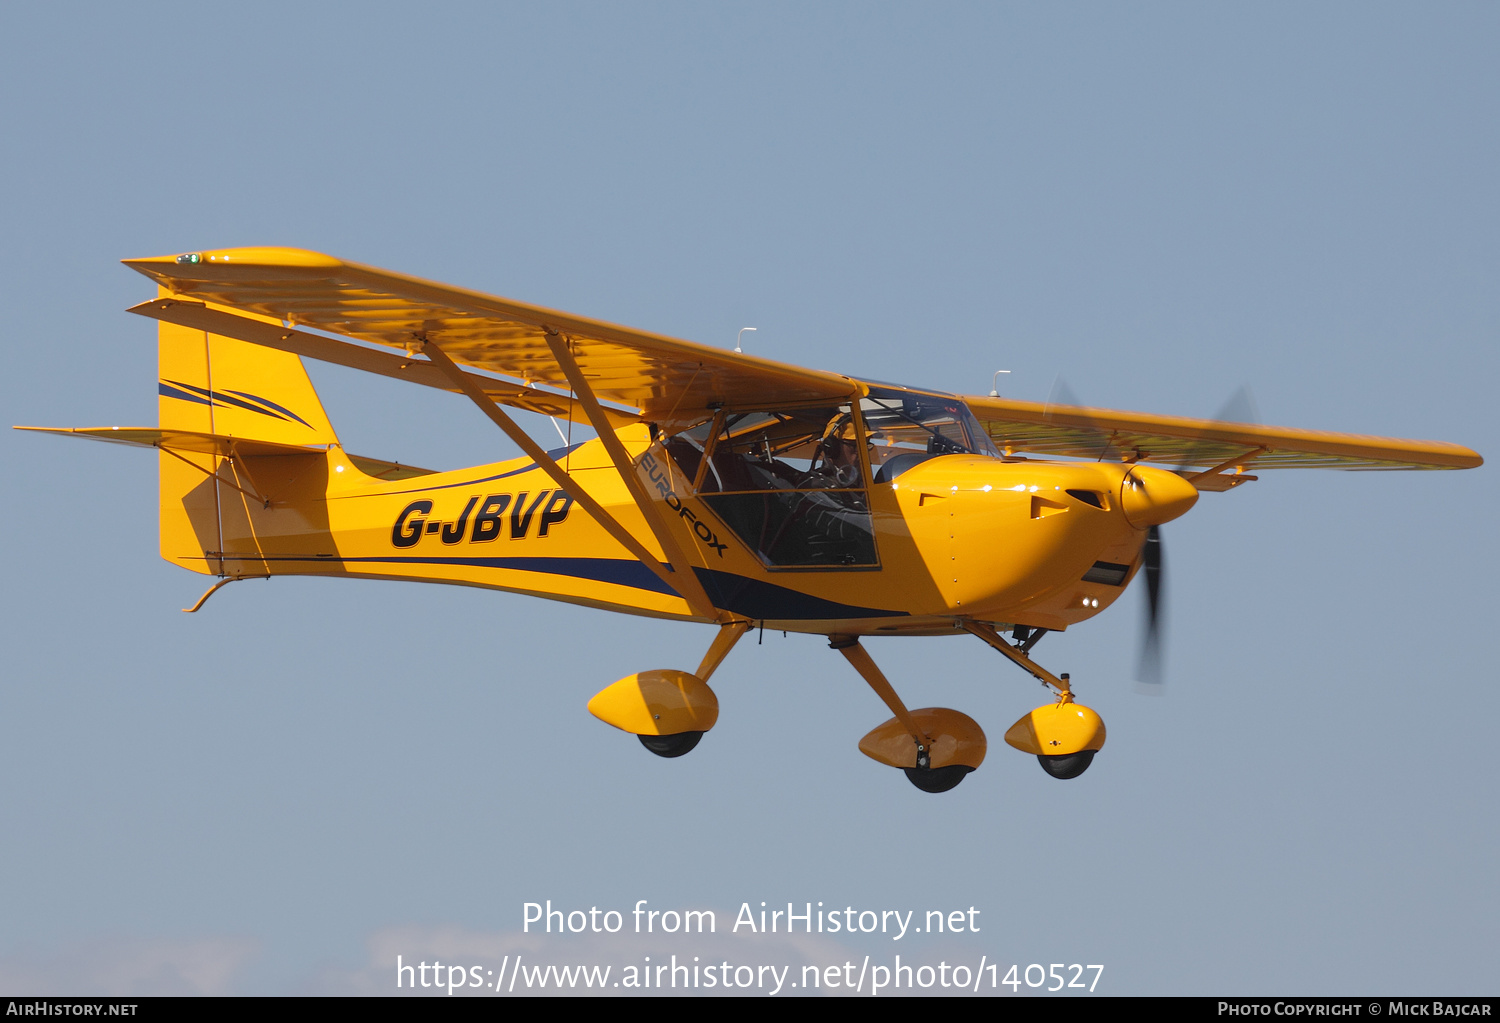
(935, 747)
(1064, 736)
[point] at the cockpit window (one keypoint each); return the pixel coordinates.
(909, 428)
(790, 483)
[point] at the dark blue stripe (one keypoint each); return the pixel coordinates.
(554, 454)
(753, 598)
(224, 399)
(604, 570)
(271, 404)
(172, 392)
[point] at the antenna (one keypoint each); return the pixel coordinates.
(738, 336)
(995, 383)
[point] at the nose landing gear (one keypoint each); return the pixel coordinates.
(1063, 736)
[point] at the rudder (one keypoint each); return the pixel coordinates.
(210, 384)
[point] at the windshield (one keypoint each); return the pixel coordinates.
(902, 423)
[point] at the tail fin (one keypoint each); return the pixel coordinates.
(213, 384)
(209, 384)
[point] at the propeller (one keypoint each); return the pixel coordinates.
(1150, 670)
(1240, 408)
(1062, 400)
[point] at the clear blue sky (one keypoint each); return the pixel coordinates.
(1160, 202)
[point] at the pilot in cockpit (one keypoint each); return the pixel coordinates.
(837, 464)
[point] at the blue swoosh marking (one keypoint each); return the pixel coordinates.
(172, 392)
(219, 398)
(554, 454)
(271, 404)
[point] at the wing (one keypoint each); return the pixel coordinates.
(666, 381)
(1027, 426)
(659, 379)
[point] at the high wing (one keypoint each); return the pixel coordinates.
(1033, 427)
(662, 380)
(264, 295)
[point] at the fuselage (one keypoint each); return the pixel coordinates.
(1043, 544)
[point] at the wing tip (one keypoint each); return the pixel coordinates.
(192, 264)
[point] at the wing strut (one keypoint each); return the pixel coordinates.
(617, 454)
(1239, 460)
(466, 383)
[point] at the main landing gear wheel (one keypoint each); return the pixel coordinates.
(675, 745)
(937, 779)
(954, 745)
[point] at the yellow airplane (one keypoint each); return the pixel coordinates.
(721, 488)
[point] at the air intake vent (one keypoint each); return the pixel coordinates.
(1106, 572)
(1092, 497)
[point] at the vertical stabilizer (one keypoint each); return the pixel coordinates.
(213, 384)
(218, 385)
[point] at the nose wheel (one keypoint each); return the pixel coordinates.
(1067, 765)
(675, 745)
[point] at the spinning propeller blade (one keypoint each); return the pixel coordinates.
(1149, 670)
(1061, 401)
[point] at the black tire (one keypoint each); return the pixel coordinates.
(1067, 765)
(937, 779)
(674, 745)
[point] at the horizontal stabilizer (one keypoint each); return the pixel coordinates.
(225, 447)
(177, 440)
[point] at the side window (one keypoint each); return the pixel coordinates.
(789, 483)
